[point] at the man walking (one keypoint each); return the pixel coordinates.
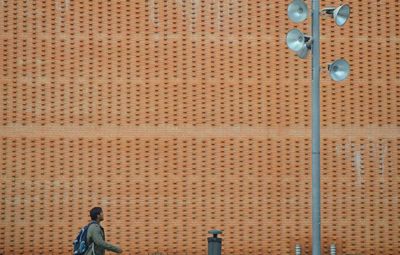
(96, 236)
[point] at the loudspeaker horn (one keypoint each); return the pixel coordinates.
(297, 11)
(340, 14)
(339, 70)
(295, 40)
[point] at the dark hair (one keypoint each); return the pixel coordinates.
(94, 212)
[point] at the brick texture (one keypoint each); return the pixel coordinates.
(179, 116)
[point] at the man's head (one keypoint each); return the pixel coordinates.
(96, 214)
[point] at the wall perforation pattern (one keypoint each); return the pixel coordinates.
(182, 116)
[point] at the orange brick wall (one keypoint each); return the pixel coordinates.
(181, 116)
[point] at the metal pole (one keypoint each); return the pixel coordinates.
(316, 210)
(297, 249)
(333, 249)
(214, 243)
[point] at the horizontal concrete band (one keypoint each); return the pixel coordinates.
(201, 131)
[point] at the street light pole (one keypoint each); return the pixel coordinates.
(338, 70)
(316, 203)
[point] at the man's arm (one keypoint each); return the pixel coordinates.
(98, 240)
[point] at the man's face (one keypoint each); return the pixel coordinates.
(100, 216)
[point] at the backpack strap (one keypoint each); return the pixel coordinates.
(92, 222)
(92, 244)
(93, 249)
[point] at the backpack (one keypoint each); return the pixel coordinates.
(80, 242)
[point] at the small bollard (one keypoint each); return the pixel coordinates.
(214, 243)
(333, 249)
(297, 249)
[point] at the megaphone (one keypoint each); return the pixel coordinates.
(340, 14)
(303, 53)
(297, 11)
(298, 42)
(339, 70)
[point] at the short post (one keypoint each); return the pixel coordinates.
(214, 243)
(297, 249)
(333, 249)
